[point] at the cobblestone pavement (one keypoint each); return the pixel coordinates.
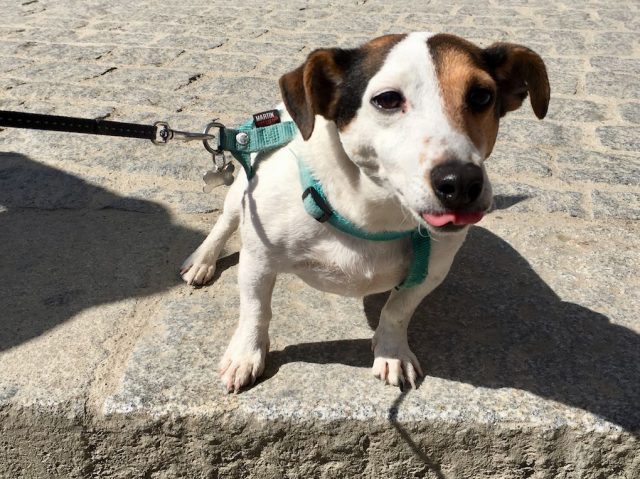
(96, 325)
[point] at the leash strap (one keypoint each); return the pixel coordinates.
(316, 205)
(15, 119)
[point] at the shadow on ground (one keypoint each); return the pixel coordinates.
(495, 323)
(67, 245)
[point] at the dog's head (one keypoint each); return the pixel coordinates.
(419, 114)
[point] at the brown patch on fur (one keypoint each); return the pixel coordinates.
(510, 71)
(459, 67)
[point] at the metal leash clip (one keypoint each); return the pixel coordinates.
(164, 133)
(222, 171)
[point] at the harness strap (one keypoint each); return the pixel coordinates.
(316, 205)
(419, 268)
(247, 139)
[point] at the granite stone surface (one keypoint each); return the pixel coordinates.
(108, 362)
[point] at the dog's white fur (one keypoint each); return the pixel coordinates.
(373, 172)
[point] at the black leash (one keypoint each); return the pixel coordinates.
(16, 119)
(159, 133)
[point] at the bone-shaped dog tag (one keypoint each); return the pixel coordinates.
(212, 179)
(215, 178)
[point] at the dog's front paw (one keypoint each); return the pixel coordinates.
(198, 269)
(243, 362)
(394, 362)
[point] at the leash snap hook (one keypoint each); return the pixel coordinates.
(164, 133)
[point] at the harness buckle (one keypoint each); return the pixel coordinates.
(320, 203)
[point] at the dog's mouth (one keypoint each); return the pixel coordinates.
(452, 220)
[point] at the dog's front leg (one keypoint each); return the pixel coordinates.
(244, 360)
(393, 360)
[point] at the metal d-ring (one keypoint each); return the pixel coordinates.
(215, 136)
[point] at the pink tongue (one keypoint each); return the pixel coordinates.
(455, 218)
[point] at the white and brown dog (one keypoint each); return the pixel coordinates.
(396, 131)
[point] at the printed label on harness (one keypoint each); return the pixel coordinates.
(266, 118)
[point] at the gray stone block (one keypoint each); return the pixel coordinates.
(590, 166)
(523, 198)
(189, 42)
(564, 73)
(576, 111)
(509, 159)
(620, 137)
(8, 65)
(150, 78)
(123, 55)
(574, 20)
(613, 42)
(538, 133)
(217, 62)
(58, 72)
(616, 85)
(60, 51)
(616, 64)
(565, 42)
(616, 205)
(630, 112)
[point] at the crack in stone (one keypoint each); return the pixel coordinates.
(103, 55)
(192, 79)
(108, 70)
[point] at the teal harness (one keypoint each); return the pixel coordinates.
(248, 139)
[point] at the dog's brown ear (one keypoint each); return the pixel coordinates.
(518, 71)
(311, 89)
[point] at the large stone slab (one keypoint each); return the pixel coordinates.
(521, 351)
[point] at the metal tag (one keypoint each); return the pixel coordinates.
(218, 177)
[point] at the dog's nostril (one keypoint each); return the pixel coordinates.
(474, 190)
(447, 189)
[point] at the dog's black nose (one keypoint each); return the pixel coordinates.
(457, 185)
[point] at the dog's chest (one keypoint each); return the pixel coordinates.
(354, 267)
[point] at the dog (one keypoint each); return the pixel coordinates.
(396, 132)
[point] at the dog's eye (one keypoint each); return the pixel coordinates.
(479, 98)
(388, 100)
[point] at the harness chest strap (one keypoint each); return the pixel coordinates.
(248, 139)
(316, 205)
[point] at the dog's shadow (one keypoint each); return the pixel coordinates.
(495, 323)
(67, 245)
